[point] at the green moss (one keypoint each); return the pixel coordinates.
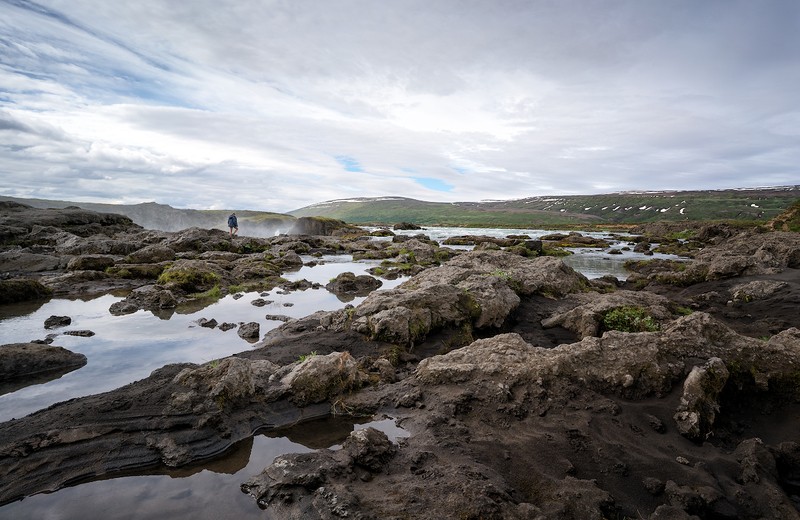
(304, 357)
(686, 234)
(188, 279)
(215, 293)
(629, 319)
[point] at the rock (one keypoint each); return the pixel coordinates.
(191, 276)
(209, 324)
(57, 321)
(20, 290)
(147, 297)
(260, 302)
(322, 226)
(226, 326)
(629, 364)
(25, 262)
(151, 254)
(228, 383)
(586, 319)
(198, 240)
(82, 333)
(476, 240)
(20, 360)
(278, 317)
(250, 331)
(699, 402)
(573, 239)
(319, 378)
(349, 283)
(756, 290)
(290, 479)
(745, 254)
(90, 263)
(406, 226)
(479, 288)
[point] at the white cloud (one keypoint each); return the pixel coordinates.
(248, 104)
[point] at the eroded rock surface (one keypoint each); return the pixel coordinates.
(517, 402)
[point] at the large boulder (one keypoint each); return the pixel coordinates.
(22, 290)
(147, 297)
(191, 276)
(151, 254)
(322, 226)
(349, 283)
(318, 378)
(18, 261)
(90, 263)
(220, 385)
(21, 360)
(699, 403)
(286, 481)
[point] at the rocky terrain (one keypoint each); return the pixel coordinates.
(527, 390)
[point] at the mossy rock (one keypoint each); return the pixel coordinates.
(189, 280)
(22, 290)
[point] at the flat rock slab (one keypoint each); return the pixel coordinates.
(24, 364)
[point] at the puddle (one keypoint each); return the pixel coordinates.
(128, 348)
(207, 490)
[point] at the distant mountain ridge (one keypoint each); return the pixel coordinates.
(633, 207)
(151, 215)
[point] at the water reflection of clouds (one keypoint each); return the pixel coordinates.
(129, 347)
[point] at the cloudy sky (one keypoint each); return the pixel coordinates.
(277, 104)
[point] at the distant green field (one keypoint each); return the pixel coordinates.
(757, 205)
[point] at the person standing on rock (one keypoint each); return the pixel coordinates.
(233, 224)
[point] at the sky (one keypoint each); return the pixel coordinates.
(273, 105)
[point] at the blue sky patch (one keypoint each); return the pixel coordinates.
(433, 184)
(349, 163)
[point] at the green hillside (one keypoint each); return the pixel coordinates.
(755, 205)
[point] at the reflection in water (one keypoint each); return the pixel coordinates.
(129, 347)
(206, 490)
(7, 387)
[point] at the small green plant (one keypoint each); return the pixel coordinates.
(686, 234)
(501, 274)
(212, 294)
(629, 319)
(683, 311)
(304, 357)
